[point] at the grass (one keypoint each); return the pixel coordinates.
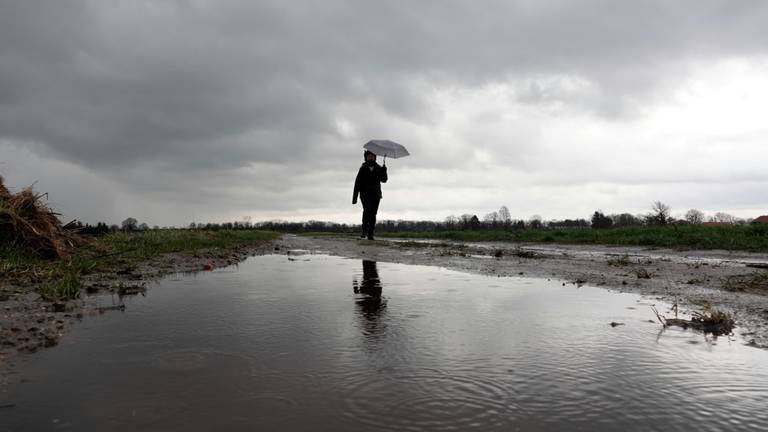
(752, 238)
(708, 319)
(60, 279)
(619, 261)
(153, 243)
(16, 261)
(756, 281)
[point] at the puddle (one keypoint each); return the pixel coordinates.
(745, 259)
(343, 345)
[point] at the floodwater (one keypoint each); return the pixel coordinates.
(320, 343)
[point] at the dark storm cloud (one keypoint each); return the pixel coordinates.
(197, 88)
(117, 82)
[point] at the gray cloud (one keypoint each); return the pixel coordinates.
(175, 100)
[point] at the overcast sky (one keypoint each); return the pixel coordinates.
(200, 110)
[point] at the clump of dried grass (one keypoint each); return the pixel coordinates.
(707, 320)
(27, 222)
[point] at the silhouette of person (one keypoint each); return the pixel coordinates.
(368, 182)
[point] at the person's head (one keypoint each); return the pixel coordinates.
(369, 156)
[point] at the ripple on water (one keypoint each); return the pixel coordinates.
(180, 360)
(428, 399)
(141, 411)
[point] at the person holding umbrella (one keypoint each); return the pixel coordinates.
(368, 182)
(370, 177)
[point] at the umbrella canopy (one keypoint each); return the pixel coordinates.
(386, 148)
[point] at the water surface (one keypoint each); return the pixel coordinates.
(313, 342)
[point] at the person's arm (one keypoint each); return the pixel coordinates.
(357, 188)
(383, 174)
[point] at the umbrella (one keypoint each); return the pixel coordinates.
(386, 148)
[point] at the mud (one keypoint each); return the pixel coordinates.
(691, 279)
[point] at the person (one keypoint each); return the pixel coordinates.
(368, 185)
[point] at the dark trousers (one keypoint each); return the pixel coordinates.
(370, 208)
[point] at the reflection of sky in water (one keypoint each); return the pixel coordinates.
(287, 345)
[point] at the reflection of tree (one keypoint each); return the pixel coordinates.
(370, 304)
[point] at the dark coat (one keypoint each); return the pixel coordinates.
(368, 182)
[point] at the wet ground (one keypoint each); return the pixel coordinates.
(316, 342)
(691, 278)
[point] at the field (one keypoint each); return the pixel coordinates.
(751, 238)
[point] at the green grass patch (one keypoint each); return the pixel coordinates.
(153, 243)
(16, 261)
(752, 238)
(60, 279)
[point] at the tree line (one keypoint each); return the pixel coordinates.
(659, 214)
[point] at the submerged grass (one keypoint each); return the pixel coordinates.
(60, 279)
(737, 237)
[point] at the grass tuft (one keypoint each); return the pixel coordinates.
(619, 261)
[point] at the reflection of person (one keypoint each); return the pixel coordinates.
(371, 303)
(368, 184)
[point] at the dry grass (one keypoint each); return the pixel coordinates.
(753, 282)
(707, 320)
(619, 261)
(26, 222)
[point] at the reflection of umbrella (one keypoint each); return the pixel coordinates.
(386, 148)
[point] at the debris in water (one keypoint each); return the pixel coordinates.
(103, 309)
(708, 320)
(642, 273)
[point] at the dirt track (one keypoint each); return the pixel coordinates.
(690, 278)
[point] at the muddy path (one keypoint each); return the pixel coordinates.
(736, 282)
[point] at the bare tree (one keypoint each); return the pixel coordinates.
(535, 222)
(451, 222)
(659, 213)
(625, 219)
(694, 216)
(724, 218)
(504, 215)
(491, 218)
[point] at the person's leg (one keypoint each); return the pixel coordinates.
(366, 216)
(372, 210)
